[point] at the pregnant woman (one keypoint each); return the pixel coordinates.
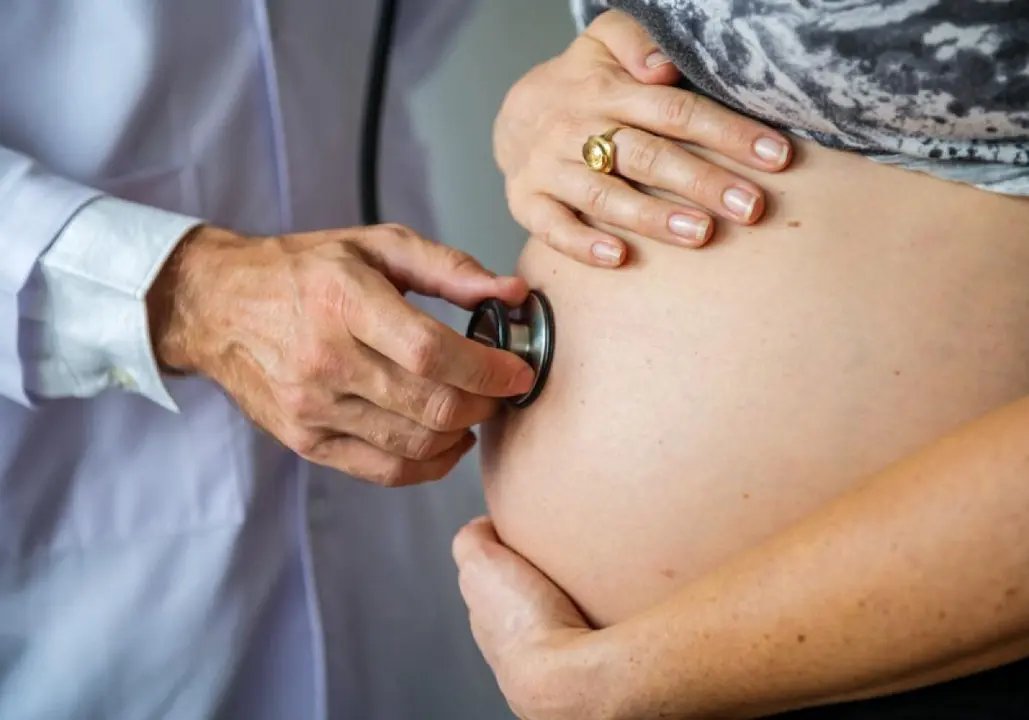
(789, 469)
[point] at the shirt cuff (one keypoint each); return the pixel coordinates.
(88, 298)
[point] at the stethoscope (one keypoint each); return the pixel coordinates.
(527, 330)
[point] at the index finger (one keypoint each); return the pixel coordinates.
(381, 319)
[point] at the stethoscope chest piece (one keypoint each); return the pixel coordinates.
(527, 331)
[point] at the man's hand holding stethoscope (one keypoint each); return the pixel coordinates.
(576, 132)
(312, 336)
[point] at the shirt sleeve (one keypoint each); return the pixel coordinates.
(73, 282)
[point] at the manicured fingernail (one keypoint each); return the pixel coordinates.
(740, 202)
(689, 227)
(772, 151)
(607, 253)
(657, 59)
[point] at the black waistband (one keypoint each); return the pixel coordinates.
(998, 694)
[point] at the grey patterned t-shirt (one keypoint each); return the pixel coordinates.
(940, 86)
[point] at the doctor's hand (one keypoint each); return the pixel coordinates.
(312, 337)
(547, 661)
(613, 76)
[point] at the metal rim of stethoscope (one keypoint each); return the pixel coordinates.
(527, 331)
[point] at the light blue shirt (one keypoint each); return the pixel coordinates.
(159, 557)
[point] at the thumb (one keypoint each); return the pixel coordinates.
(436, 270)
(502, 585)
(633, 48)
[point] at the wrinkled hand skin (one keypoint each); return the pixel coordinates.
(310, 334)
(614, 76)
(548, 662)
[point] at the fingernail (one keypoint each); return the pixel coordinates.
(657, 59)
(740, 202)
(607, 253)
(523, 380)
(689, 227)
(772, 151)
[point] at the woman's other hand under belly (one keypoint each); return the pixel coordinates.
(701, 400)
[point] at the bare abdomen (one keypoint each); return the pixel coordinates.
(701, 400)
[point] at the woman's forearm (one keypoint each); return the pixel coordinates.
(923, 567)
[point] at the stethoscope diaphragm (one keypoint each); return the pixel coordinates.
(527, 331)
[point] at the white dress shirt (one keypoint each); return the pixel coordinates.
(159, 557)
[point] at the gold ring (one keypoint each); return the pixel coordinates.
(598, 151)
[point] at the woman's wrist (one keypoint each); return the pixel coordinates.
(622, 669)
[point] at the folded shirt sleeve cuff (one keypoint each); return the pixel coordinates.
(34, 207)
(87, 301)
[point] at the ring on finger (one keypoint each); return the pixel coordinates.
(598, 152)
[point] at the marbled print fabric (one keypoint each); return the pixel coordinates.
(936, 85)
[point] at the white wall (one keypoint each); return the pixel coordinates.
(455, 111)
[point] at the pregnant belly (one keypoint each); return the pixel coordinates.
(702, 400)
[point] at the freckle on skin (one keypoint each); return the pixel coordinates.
(668, 573)
(1011, 592)
(801, 638)
(746, 496)
(942, 615)
(794, 223)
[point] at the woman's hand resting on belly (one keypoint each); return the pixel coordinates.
(611, 77)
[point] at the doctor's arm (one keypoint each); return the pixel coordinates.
(308, 333)
(73, 279)
(915, 577)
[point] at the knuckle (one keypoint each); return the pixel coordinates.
(421, 444)
(703, 182)
(597, 198)
(563, 126)
(299, 402)
(734, 134)
(386, 437)
(302, 440)
(645, 156)
(677, 108)
(314, 361)
(441, 410)
(651, 215)
(457, 260)
(597, 82)
(399, 231)
(425, 352)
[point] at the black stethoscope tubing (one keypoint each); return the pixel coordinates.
(371, 133)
